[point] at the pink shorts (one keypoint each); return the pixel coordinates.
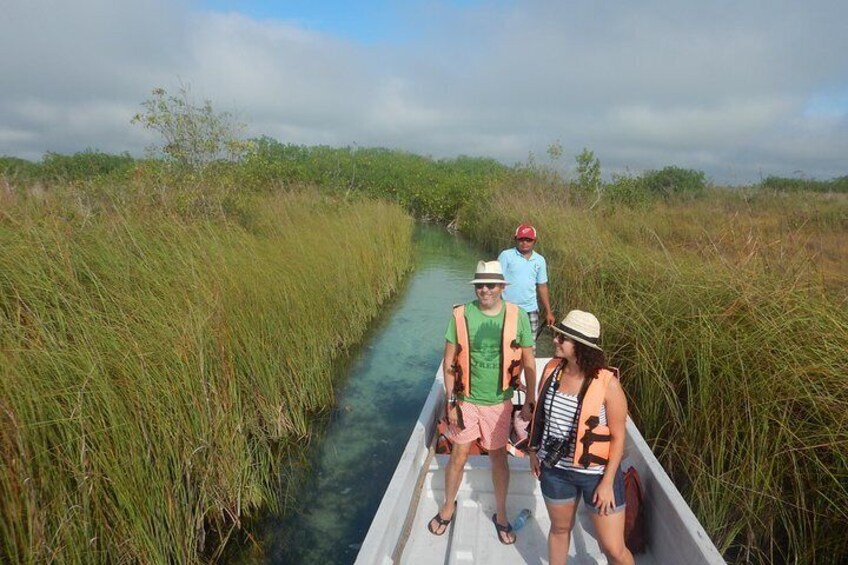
(489, 423)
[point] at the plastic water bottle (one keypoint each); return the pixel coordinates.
(521, 519)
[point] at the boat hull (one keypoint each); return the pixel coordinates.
(398, 532)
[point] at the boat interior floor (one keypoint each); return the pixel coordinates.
(471, 537)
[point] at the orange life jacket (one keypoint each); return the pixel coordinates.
(593, 439)
(510, 351)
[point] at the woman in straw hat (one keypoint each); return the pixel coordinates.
(577, 439)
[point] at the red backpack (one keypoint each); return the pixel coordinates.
(635, 537)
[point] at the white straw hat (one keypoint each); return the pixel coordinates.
(489, 272)
(580, 326)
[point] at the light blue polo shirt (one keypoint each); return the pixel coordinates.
(523, 276)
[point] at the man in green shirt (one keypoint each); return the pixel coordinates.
(487, 344)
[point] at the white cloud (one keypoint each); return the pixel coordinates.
(697, 125)
(723, 86)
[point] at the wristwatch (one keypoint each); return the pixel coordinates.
(452, 400)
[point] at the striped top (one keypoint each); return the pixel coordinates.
(558, 425)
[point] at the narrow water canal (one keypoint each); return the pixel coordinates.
(378, 402)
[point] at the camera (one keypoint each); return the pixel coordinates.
(555, 449)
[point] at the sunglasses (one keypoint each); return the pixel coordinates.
(490, 286)
(526, 240)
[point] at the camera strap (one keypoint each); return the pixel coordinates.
(552, 388)
(555, 379)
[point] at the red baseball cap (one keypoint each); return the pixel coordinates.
(525, 231)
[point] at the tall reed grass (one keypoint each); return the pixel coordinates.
(157, 370)
(728, 317)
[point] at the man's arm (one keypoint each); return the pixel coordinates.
(544, 298)
(447, 367)
(528, 360)
(450, 379)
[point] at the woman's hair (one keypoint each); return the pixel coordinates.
(589, 359)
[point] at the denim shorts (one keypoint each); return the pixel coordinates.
(560, 486)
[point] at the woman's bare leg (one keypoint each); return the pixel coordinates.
(559, 537)
(610, 530)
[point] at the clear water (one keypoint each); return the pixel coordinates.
(379, 397)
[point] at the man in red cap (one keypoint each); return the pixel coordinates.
(527, 274)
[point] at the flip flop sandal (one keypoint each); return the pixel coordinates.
(440, 522)
(502, 529)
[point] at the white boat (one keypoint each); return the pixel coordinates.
(398, 533)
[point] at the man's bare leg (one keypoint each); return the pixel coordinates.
(453, 477)
(500, 481)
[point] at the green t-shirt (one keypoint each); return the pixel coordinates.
(484, 334)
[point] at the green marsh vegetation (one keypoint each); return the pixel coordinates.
(783, 184)
(429, 189)
(727, 311)
(166, 338)
(159, 372)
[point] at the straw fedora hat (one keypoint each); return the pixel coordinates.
(580, 326)
(489, 272)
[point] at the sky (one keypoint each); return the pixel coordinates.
(740, 90)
